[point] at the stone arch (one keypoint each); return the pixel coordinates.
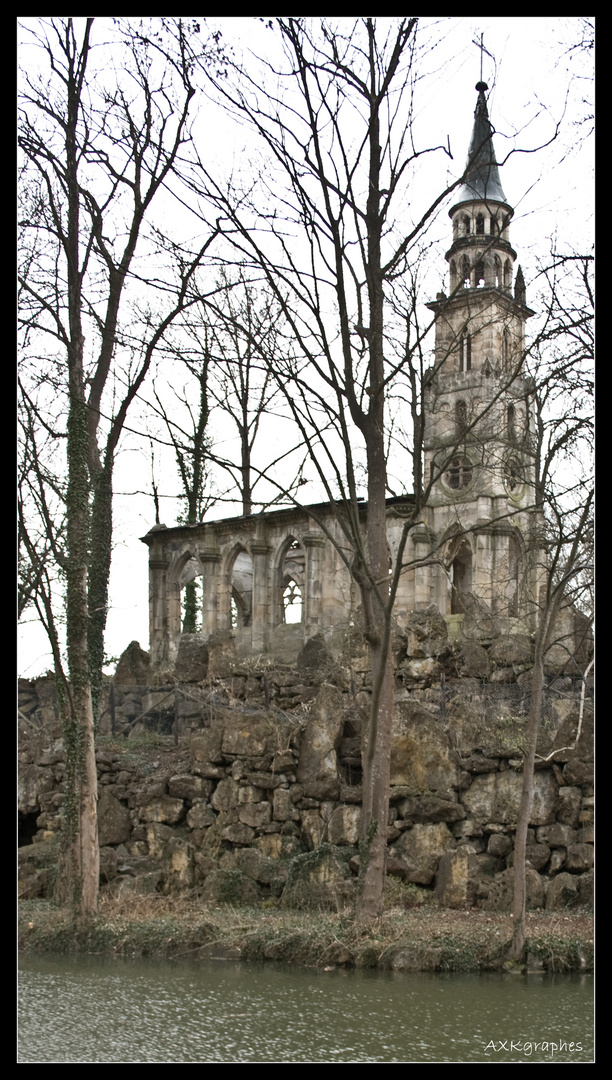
(459, 561)
(238, 591)
(465, 225)
(507, 274)
(185, 593)
(480, 224)
(290, 582)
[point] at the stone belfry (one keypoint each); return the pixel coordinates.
(478, 411)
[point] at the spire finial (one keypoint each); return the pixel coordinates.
(480, 45)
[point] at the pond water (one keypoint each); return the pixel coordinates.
(88, 1009)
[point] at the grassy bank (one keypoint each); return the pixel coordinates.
(418, 939)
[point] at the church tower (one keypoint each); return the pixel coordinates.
(478, 411)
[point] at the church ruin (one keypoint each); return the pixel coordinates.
(275, 579)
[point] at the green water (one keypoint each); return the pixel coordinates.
(97, 1010)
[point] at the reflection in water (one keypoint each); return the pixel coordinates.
(93, 1010)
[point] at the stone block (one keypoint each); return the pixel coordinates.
(580, 857)
(456, 878)
(255, 814)
(114, 821)
(421, 755)
(426, 633)
(421, 849)
(321, 738)
(562, 892)
(189, 787)
(162, 809)
(344, 826)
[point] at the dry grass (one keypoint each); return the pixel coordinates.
(437, 938)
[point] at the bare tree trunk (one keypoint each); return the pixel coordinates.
(81, 859)
(520, 842)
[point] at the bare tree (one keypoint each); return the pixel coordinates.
(99, 144)
(562, 361)
(337, 126)
(336, 119)
(246, 336)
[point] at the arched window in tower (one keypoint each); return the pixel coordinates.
(479, 274)
(461, 419)
(505, 347)
(497, 264)
(494, 228)
(510, 423)
(465, 225)
(507, 274)
(480, 225)
(465, 271)
(460, 574)
(465, 352)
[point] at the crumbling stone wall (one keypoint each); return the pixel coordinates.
(261, 797)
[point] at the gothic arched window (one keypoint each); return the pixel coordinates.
(291, 582)
(480, 225)
(507, 274)
(461, 419)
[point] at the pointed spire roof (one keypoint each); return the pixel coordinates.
(482, 174)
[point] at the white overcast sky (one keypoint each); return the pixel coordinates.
(533, 84)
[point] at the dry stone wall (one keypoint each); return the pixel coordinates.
(258, 796)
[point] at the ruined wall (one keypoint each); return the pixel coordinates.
(261, 799)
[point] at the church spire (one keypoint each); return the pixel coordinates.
(481, 180)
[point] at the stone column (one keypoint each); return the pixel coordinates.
(482, 568)
(423, 580)
(262, 601)
(210, 558)
(312, 612)
(158, 614)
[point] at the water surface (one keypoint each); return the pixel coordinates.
(88, 1009)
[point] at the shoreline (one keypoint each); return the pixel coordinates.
(419, 939)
